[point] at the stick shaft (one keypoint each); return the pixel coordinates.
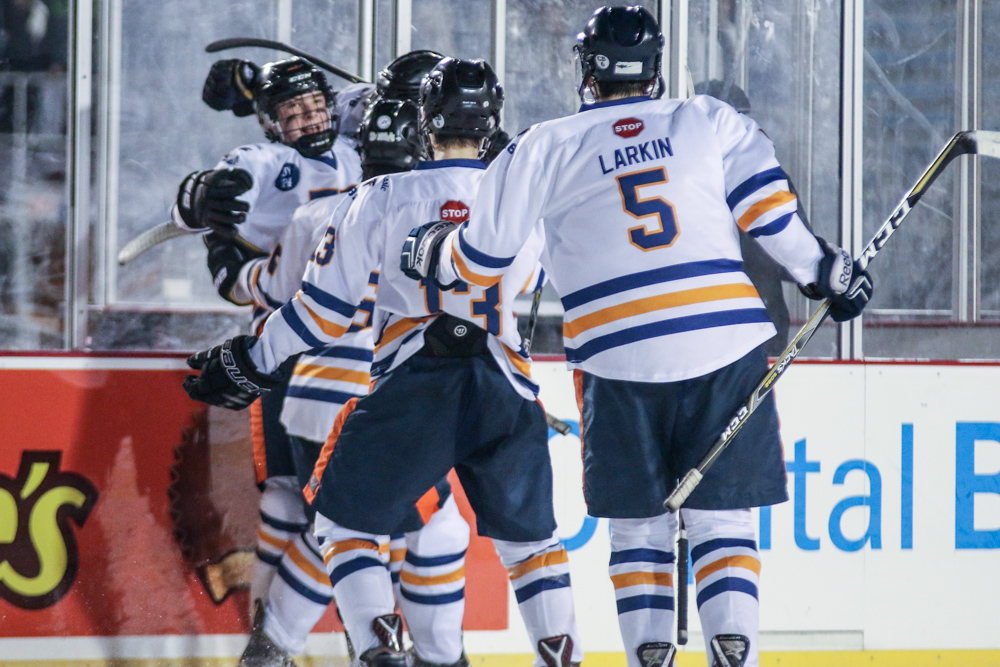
(237, 42)
(149, 239)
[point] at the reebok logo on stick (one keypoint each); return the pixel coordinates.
(628, 127)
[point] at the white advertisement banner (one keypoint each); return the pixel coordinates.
(891, 535)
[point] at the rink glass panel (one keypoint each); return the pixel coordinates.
(33, 183)
(785, 56)
(937, 283)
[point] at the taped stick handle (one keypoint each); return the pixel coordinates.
(682, 581)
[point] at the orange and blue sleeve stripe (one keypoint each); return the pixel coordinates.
(475, 266)
(768, 211)
(725, 565)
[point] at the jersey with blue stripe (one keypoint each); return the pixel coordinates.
(370, 239)
(640, 203)
(283, 180)
(324, 379)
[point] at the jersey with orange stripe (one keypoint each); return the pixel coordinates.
(323, 380)
(640, 202)
(283, 179)
(374, 229)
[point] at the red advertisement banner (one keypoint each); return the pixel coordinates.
(104, 531)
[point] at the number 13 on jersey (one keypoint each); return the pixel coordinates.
(640, 236)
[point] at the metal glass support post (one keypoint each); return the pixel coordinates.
(498, 39)
(851, 156)
(965, 293)
(404, 26)
(676, 33)
(78, 235)
(366, 36)
(285, 21)
(109, 132)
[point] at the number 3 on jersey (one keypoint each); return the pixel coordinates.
(641, 237)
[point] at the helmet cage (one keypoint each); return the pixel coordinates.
(390, 136)
(283, 81)
(620, 44)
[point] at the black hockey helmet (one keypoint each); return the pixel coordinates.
(620, 44)
(461, 98)
(287, 79)
(390, 137)
(400, 80)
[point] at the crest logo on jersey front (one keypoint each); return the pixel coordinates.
(287, 178)
(454, 211)
(628, 127)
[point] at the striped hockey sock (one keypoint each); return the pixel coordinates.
(299, 595)
(539, 573)
(432, 595)
(726, 568)
(282, 518)
(642, 570)
(397, 552)
(358, 566)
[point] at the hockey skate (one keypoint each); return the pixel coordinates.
(656, 654)
(389, 652)
(261, 651)
(557, 651)
(417, 661)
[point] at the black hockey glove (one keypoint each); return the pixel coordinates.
(422, 251)
(843, 281)
(226, 257)
(229, 86)
(228, 377)
(208, 200)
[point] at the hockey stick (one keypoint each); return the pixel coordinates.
(968, 142)
(149, 239)
(682, 581)
(237, 42)
(559, 425)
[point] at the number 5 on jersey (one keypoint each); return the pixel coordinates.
(640, 236)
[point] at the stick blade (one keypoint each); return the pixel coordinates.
(147, 240)
(987, 143)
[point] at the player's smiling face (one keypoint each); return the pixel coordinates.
(301, 115)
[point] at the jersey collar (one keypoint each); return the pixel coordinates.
(327, 158)
(454, 162)
(614, 103)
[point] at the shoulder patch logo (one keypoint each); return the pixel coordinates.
(454, 211)
(287, 178)
(627, 128)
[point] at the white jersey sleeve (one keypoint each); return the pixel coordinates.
(333, 286)
(272, 281)
(758, 193)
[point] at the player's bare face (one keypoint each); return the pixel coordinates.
(305, 114)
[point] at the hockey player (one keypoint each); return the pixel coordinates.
(639, 201)
(448, 392)
(322, 381)
(242, 206)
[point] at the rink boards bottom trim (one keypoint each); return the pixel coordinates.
(951, 658)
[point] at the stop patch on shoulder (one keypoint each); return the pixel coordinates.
(288, 177)
(628, 127)
(454, 211)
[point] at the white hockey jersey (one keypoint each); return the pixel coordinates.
(322, 380)
(370, 239)
(639, 203)
(283, 180)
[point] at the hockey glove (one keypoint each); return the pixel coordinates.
(208, 200)
(229, 378)
(229, 86)
(226, 257)
(422, 251)
(843, 281)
